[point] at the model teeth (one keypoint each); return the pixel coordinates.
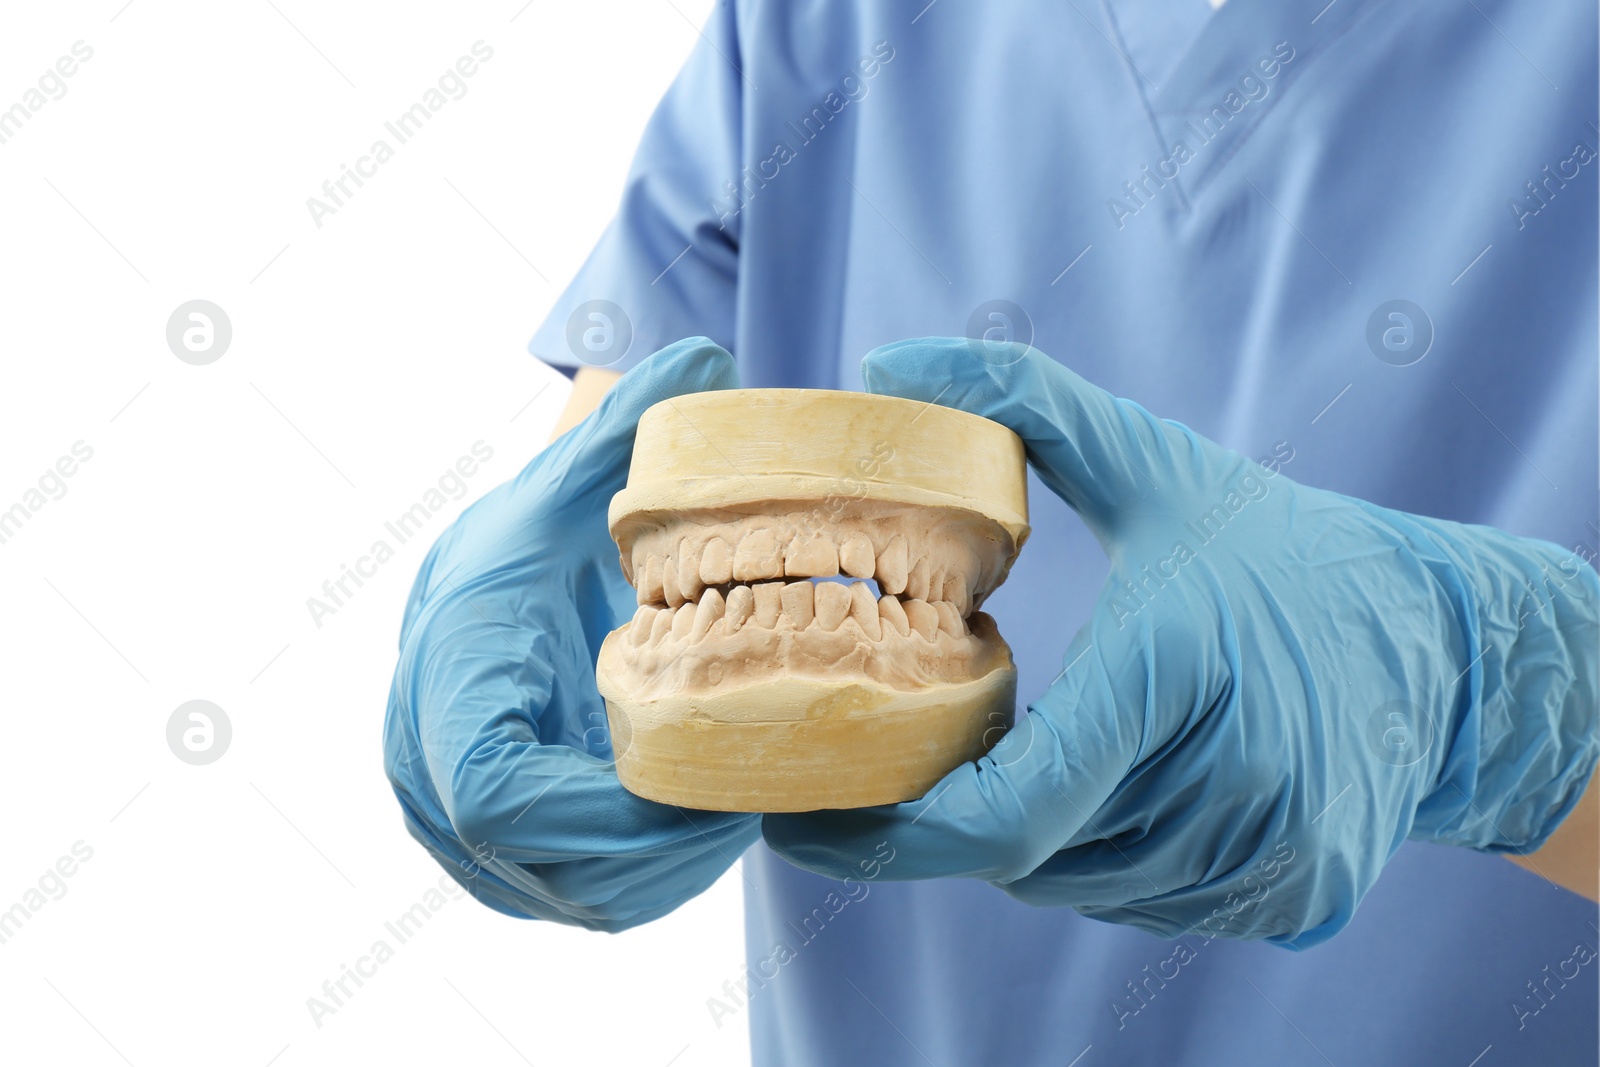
(757, 557)
(669, 582)
(689, 582)
(832, 604)
(949, 618)
(682, 621)
(648, 581)
(711, 608)
(639, 630)
(893, 615)
(660, 625)
(769, 604)
(864, 610)
(855, 556)
(893, 564)
(919, 613)
(719, 575)
(917, 581)
(799, 607)
(716, 562)
(811, 556)
(812, 607)
(955, 592)
(741, 604)
(694, 565)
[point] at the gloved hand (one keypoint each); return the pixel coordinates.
(496, 740)
(1277, 686)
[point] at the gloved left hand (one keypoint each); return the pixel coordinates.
(1278, 685)
(496, 740)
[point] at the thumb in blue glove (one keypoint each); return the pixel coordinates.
(496, 740)
(1278, 685)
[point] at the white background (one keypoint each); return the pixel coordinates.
(367, 356)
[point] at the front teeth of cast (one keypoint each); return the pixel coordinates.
(893, 565)
(689, 582)
(796, 606)
(757, 557)
(811, 556)
(716, 562)
(864, 610)
(799, 606)
(697, 562)
(769, 604)
(741, 604)
(855, 556)
(832, 604)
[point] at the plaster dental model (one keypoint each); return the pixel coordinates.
(743, 685)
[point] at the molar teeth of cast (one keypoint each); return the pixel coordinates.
(709, 610)
(811, 556)
(716, 562)
(688, 572)
(683, 621)
(949, 618)
(757, 557)
(660, 626)
(799, 607)
(893, 615)
(649, 586)
(935, 583)
(956, 592)
(855, 555)
(893, 565)
(832, 604)
(669, 583)
(741, 604)
(920, 614)
(643, 620)
(864, 610)
(768, 603)
(917, 581)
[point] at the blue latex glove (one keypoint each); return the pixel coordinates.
(1251, 724)
(495, 739)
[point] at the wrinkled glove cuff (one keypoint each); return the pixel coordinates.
(1526, 736)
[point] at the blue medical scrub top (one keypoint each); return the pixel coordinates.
(1357, 234)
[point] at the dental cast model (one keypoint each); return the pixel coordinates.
(743, 685)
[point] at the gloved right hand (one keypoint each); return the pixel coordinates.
(495, 739)
(1272, 672)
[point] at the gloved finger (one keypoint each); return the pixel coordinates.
(626, 890)
(590, 461)
(598, 894)
(1002, 816)
(533, 803)
(530, 798)
(1097, 452)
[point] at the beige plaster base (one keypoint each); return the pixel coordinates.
(819, 744)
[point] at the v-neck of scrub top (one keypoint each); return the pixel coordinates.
(1210, 76)
(1155, 34)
